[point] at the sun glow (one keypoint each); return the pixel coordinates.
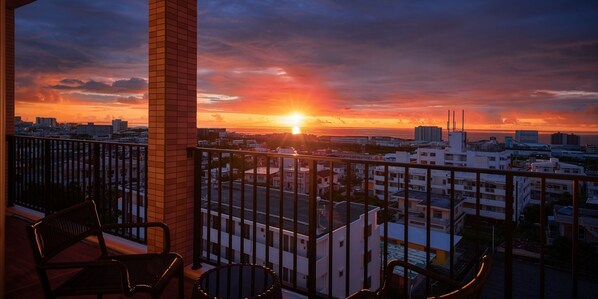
(295, 119)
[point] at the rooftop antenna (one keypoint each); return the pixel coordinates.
(454, 121)
(463, 120)
(448, 123)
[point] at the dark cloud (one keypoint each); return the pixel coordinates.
(218, 117)
(131, 100)
(62, 35)
(119, 86)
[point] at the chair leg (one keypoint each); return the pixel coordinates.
(182, 283)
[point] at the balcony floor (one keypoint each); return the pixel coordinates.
(22, 280)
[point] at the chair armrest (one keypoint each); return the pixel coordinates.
(164, 227)
(392, 264)
(108, 263)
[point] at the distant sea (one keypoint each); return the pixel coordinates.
(472, 135)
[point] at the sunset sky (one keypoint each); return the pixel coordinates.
(392, 64)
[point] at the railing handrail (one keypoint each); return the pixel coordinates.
(505, 172)
(77, 140)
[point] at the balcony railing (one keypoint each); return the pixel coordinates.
(324, 240)
(249, 209)
(48, 174)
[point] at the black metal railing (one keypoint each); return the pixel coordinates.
(48, 174)
(321, 232)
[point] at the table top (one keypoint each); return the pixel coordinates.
(236, 281)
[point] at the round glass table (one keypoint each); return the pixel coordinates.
(238, 281)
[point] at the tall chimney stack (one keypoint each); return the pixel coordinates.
(463, 120)
(454, 121)
(448, 123)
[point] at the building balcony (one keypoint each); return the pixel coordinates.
(320, 245)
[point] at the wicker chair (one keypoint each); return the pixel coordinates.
(108, 274)
(472, 289)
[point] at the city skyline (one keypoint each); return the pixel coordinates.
(531, 66)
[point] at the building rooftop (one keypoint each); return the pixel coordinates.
(288, 208)
(436, 200)
(417, 235)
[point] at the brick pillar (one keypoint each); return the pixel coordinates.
(172, 120)
(10, 72)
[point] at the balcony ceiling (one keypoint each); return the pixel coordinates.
(12, 4)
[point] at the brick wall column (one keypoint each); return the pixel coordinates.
(172, 120)
(10, 72)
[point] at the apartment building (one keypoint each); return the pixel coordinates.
(440, 211)
(554, 188)
(288, 181)
(428, 133)
(220, 226)
(492, 187)
(588, 223)
(526, 136)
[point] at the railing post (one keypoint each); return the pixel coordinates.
(96, 175)
(47, 167)
(197, 221)
(575, 241)
(312, 231)
(11, 170)
(509, 237)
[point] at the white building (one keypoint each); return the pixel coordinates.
(287, 162)
(119, 125)
(492, 187)
(439, 210)
(97, 131)
(554, 188)
(526, 136)
(428, 133)
(268, 239)
(46, 122)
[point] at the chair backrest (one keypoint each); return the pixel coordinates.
(474, 287)
(60, 230)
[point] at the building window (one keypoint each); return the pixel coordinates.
(340, 273)
(229, 226)
(288, 243)
(341, 243)
(368, 231)
(215, 222)
(215, 249)
(245, 258)
(246, 231)
(285, 274)
(270, 238)
(229, 254)
(437, 214)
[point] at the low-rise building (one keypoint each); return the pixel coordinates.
(554, 188)
(348, 238)
(588, 223)
(440, 211)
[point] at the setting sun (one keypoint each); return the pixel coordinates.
(296, 119)
(296, 130)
